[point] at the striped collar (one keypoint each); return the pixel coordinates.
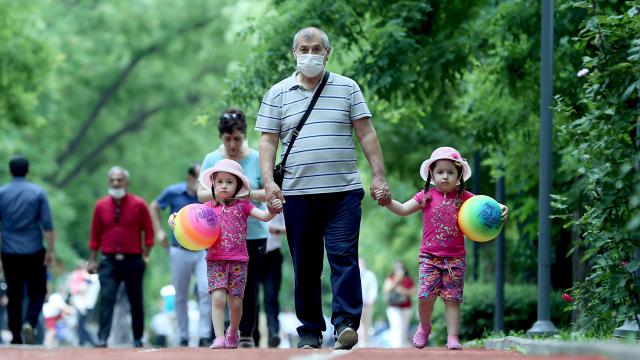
(292, 82)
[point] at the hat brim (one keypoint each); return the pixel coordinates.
(207, 182)
(424, 168)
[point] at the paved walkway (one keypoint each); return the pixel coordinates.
(35, 353)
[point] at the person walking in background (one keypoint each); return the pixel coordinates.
(3, 304)
(232, 129)
(369, 296)
(163, 323)
(398, 288)
(442, 252)
(184, 263)
(271, 279)
(82, 289)
(53, 311)
(25, 216)
(227, 258)
(122, 230)
(321, 188)
(121, 321)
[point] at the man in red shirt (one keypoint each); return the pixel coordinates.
(122, 230)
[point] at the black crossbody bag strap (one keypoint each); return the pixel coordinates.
(296, 132)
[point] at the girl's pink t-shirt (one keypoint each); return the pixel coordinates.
(232, 244)
(441, 235)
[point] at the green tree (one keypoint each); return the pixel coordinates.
(129, 81)
(602, 135)
(28, 61)
(498, 107)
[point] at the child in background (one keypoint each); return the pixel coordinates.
(83, 287)
(53, 311)
(227, 259)
(442, 251)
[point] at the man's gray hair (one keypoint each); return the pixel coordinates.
(116, 169)
(309, 33)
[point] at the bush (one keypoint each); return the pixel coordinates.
(520, 311)
(605, 190)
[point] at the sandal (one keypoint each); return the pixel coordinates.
(453, 343)
(218, 343)
(231, 339)
(421, 338)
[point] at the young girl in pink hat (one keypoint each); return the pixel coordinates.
(442, 253)
(227, 259)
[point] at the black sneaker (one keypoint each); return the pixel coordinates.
(274, 341)
(310, 341)
(101, 344)
(204, 342)
(184, 343)
(137, 343)
(28, 335)
(346, 337)
(246, 342)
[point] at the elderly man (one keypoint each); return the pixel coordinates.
(24, 215)
(321, 187)
(122, 230)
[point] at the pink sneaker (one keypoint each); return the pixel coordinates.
(421, 338)
(453, 343)
(231, 339)
(218, 343)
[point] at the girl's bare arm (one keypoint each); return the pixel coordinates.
(408, 208)
(261, 215)
(266, 215)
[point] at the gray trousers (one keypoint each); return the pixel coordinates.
(184, 263)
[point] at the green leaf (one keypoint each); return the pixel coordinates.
(627, 93)
(633, 266)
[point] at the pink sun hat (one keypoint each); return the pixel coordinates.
(445, 153)
(228, 166)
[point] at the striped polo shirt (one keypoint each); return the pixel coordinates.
(323, 157)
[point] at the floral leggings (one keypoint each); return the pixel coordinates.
(441, 276)
(227, 274)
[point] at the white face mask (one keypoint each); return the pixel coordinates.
(310, 65)
(117, 193)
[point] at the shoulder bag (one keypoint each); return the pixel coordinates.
(278, 170)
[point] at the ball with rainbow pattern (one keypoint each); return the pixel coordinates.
(480, 218)
(197, 227)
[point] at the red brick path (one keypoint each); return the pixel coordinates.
(37, 353)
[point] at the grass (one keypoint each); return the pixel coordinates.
(563, 335)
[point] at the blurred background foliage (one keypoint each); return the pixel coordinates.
(89, 84)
